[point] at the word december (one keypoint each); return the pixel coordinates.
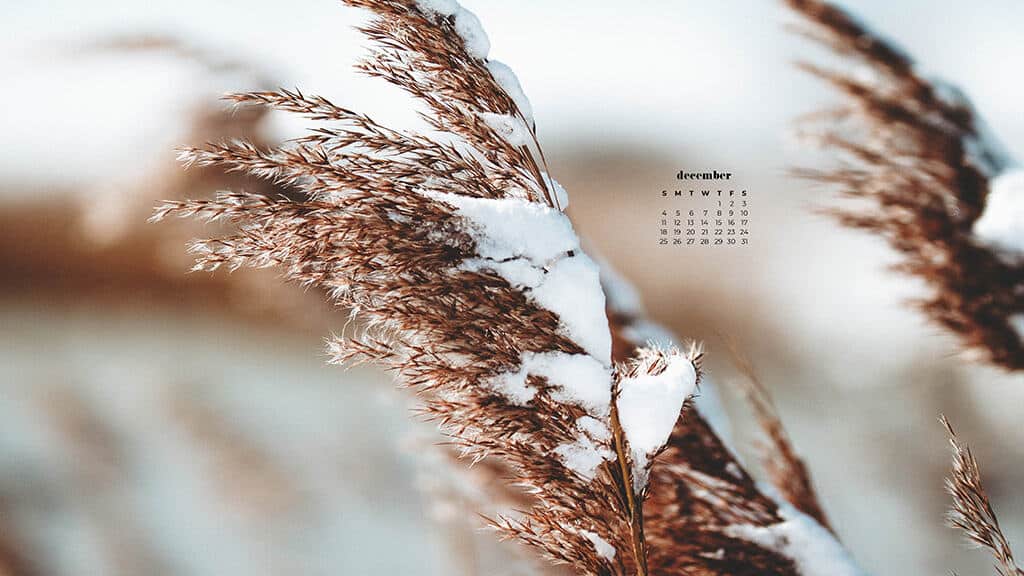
(713, 175)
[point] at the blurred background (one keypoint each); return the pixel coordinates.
(159, 422)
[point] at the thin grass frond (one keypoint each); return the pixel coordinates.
(972, 512)
(785, 469)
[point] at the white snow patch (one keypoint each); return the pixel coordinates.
(800, 538)
(623, 297)
(513, 228)
(710, 406)
(984, 151)
(438, 7)
(561, 194)
(649, 407)
(734, 470)
(594, 428)
(1001, 224)
(603, 548)
(518, 272)
(508, 229)
(576, 378)
(1016, 322)
(511, 128)
(583, 456)
(509, 82)
(513, 386)
(948, 93)
(468, 27)
(572, 289)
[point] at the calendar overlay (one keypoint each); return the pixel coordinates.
(704, 210)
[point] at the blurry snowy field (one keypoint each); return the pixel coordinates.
(335, 440)
(625, 95)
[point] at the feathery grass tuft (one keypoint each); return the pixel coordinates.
(917, 164)
(468, 282)
(971, 512)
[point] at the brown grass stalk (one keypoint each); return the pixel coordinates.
(634, 508)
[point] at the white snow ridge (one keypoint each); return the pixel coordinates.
(467, 25)
(507, 229)
(509, 82)
(1001, 224)
(534, 247)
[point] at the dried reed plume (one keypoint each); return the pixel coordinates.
(971, 512)
(915, 154)
(382, 245)
(468, 282)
